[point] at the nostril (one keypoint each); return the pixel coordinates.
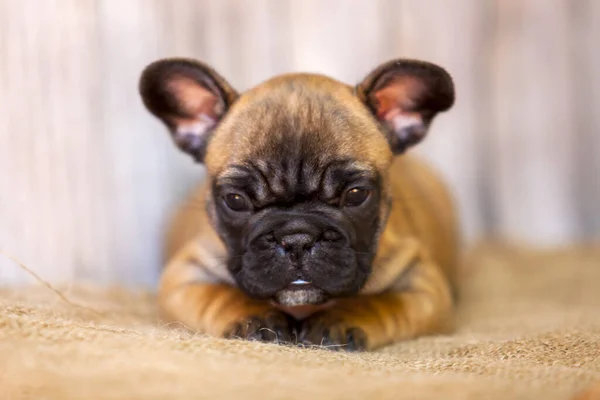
(293, 256)
(297, 242)
(331, 236)
(270, 237)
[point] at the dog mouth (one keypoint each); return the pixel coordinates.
(299, 282)
(299, 293)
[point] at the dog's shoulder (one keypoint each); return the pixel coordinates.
(423, 208)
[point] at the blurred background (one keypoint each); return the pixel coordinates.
(87, 176)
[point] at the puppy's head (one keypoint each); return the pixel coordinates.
(298, 166)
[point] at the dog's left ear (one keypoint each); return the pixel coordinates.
(405, 96)
(189, 97)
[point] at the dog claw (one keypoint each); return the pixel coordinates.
(334, 335)
(273, 327)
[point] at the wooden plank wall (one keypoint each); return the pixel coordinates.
(87, 177)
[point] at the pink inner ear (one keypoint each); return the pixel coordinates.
(387, 101)
(200, 104)
(396, 100)
(401, 94)
(194, 99)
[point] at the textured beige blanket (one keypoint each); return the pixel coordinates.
(528, 328)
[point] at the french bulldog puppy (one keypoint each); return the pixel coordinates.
(313, 225)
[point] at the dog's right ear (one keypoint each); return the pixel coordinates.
(405, 95)
(190, 98)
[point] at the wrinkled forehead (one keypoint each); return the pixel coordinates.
(295, 127)
(286, 180)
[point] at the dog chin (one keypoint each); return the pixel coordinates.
(301, 299)
(300, 293)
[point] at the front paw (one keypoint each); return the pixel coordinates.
(271, 326)
(332, 332)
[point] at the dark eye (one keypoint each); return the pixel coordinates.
(355, 197)
(236, 202)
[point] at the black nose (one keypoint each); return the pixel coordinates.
(297, 243)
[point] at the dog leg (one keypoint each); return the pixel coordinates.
(419, 303)
(189, 296)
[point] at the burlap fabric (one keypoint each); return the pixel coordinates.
(528, 328)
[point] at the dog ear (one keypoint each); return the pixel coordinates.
(190, 98)
(405, 96)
